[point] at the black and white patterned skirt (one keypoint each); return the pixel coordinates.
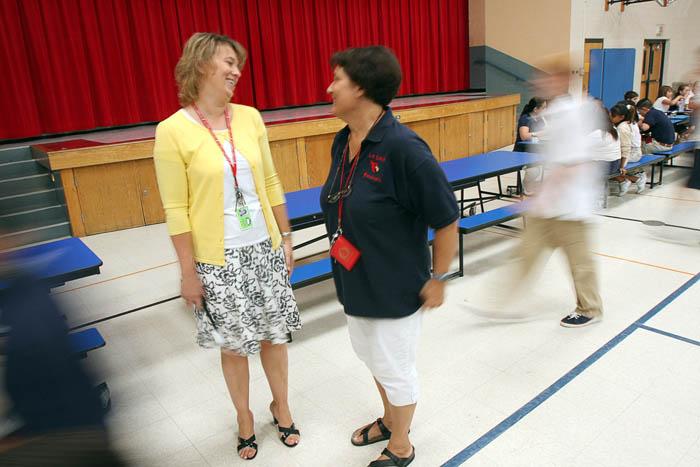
(250, 299)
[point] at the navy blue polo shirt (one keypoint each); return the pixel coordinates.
(660, 126)
(533, 124)
(398, 192)
(524, 120)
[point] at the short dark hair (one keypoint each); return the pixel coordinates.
(374, 69)
(644, 104)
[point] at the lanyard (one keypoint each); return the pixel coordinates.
(346, 183)
(233, 164)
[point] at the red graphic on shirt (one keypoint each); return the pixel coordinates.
(375, 168)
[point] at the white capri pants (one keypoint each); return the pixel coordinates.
(388, 347)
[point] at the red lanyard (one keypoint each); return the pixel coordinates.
(345, 184)
(351, 172)
(233, 164)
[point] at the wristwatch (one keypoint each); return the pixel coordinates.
(440, 277)
(286, 234)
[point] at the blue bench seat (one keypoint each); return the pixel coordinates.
(652, 160)
(310, 273)
(320, 270)
(646, 160)
(491, 218)
(686, 146)
(82, 342)
(484, 220)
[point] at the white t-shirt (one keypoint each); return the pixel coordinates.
(604, 147)
(571, 184)
(234, 237)
(659, 104)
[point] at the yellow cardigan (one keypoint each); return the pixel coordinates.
(190, 170)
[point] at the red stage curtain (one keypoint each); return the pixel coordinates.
(69, 65)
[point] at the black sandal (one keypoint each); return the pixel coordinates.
(286, 432)
(386, 434)
(247, 443)
(393, 460)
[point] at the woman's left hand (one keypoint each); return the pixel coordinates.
(288, 254)
(432, 294)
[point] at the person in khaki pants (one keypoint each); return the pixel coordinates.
(573, 236)
(562, 209)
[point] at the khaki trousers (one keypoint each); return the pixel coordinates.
(543, 235)
(654, 146)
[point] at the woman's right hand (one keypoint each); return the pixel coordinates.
(191, 289)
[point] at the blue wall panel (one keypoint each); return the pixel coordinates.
(618, 74)
(595, 74)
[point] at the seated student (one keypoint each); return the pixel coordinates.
(683, 129)
(666, 99)
(605, 142)
(694, 91)
(530, 124)
(632, 96)
(683, 96)
(531, 121)
(661, 135)
(625, 113)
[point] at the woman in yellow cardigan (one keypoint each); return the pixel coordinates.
(227, 219)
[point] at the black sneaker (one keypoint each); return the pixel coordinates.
(575, 320)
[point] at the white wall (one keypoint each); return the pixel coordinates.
(577, 36)
(629, 29)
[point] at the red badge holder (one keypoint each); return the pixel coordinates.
(344, 252)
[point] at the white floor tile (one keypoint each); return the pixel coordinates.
(151, 443)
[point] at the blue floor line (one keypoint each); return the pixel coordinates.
(502, 427)
(654, 311)
(671, 335)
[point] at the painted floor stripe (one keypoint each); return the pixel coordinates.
(518, 415)
(671, 335)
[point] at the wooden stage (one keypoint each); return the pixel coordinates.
(111, 185)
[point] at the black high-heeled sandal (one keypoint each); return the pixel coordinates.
(286, 432)
(247, 443)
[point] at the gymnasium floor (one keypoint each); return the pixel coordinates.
(615, 393)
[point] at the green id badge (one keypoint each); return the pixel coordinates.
(244, 219)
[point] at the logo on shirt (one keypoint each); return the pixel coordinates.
(375, 168)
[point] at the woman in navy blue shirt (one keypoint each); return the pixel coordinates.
(530, 121)
(384, 191)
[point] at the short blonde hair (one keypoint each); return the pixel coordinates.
(198, 52)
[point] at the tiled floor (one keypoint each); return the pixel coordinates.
(636, 406)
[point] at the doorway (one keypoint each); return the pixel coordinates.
(652, 68)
